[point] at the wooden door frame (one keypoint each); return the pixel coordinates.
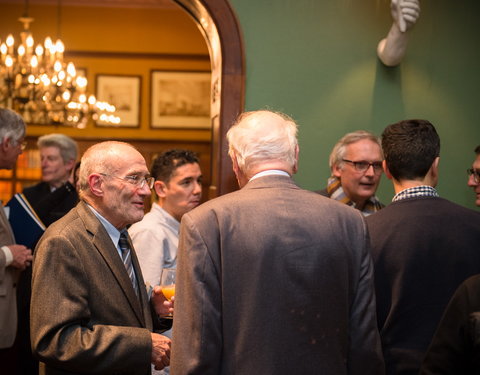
(220, 28)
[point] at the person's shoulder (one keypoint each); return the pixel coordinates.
(39, 187)
(322, 192)
(455, 206)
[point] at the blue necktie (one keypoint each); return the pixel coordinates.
(127, 259)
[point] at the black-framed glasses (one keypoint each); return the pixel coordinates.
(475, 173)
(138, 181)
(362, 166)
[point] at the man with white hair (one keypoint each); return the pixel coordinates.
(90, 309)
(55, 195)
(273, 279)
(14, 258)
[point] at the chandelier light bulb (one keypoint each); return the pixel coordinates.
(66, 95)
(8, 61)
(59, 46)
(71, 71)
(21, 50)
(45, 80)
(39, 50)
(10, 41)
(34, 61)
(48, 43)
(29, 41)
(3, 49)
(57, 66)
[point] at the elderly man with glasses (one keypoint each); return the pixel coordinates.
(474, 176)
(90, 309)
(356, 166)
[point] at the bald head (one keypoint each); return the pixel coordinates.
(103, 157)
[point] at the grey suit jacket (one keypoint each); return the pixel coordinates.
(273, 279)
(85, 315)
(8, 279)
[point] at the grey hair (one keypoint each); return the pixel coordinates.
(261, 136)
(98, 158)
(67, 146)
(12, 125)
(338, 153)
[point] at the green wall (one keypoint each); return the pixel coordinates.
(316, 61)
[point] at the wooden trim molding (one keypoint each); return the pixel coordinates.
(220, 28)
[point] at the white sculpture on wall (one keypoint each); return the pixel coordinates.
(391, 49)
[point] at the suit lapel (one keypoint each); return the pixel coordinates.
(104, 245)
(6, 225)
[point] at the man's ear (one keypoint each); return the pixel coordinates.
(159, 187)
(336, 171)
(95, 182)
(297, 153)
(433, 171)
(435, 165)
(386, 170)
(6, 144)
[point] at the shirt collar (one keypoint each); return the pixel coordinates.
(171, 222)
(113, 232)
(269, 172)
(415, 192)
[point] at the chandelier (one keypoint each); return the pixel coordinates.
(42, 88)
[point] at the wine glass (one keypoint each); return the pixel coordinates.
(167, 283)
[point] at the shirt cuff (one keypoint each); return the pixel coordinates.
(8, 255)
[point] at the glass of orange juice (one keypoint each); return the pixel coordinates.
(167, 283)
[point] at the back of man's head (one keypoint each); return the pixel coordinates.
(410, 148)
(263, 136)
(165, 164)
(67, 146)
(12, 125)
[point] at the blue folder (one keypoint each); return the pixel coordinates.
(26, 225)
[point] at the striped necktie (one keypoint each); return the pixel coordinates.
(127, 259)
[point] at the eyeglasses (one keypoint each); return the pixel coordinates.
(362, 166)
(22, 144)
(475, 173)
(135, 180)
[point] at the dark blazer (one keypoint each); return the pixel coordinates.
(455, 348)
(273, 279)
(51, 206)
(85, 315)
(422, 248)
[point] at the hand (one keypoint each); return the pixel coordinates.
(22, 257)
(405, 13)
(160, 351)
(161, 304)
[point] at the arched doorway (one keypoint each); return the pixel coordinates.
(220, 28)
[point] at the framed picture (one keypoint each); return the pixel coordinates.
(124, 93)
(180, 99)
